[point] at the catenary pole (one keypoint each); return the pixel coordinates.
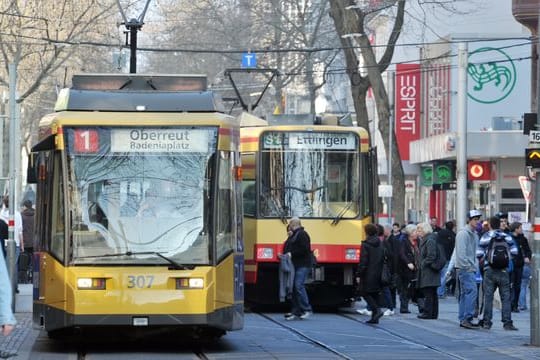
(391, 95)
(535, 285)
(11, 260)
(461, 162)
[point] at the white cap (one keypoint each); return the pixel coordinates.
(474, 213)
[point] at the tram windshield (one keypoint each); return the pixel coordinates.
(309, 174)
(139, 196)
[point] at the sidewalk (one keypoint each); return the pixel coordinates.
(513, 344)
(22, 339)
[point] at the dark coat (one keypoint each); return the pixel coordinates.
(428, 277)
(393, 247)
(299, 245)
(407, 255)
(371, 263)
(524, 250)
(447, 238)
(27, 216)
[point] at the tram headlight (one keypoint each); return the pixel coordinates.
(351, 254)
(189, 283)
(265, 253)
(91, 283)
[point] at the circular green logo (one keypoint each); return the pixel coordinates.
(490, 81)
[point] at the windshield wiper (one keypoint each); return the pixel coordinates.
(342, 213)
(175, 264)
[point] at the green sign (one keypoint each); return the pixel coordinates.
(426, 175)
(444, 172)
(492, 75)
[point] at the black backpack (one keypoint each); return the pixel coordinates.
(498, 253)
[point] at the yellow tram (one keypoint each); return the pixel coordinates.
(322, 174)
(138, 211)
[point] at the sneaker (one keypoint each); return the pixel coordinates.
(288, 314)
(364, 312)
(486, 326)
(291, 317)
(467, 325)
(306, 315)
(510, 327)
(388, 312)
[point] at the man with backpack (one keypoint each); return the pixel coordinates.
(495, 251)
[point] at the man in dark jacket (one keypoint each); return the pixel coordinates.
(447, 239)
(520, 259)
(370, 270)
(298, 247)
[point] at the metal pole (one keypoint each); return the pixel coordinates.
(462, 136)
(535, 285)
(133, 26)
(11, 260)
(391, 94)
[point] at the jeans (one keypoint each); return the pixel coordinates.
(468, 293)
(497, 278)
(516, 276)
(523, 293)
(388, 296)
(300, 301)
(441, 290)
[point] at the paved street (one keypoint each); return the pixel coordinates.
(324, 336)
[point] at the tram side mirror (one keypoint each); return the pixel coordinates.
(32, 169)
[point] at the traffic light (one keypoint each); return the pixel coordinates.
(532, 157)
(529, 122)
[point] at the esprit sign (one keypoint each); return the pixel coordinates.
(407, 106)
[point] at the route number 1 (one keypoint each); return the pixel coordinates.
(86, 141)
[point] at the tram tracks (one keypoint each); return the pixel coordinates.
(304, 336)
(406, 338)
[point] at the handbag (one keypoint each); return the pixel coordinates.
(386, 274)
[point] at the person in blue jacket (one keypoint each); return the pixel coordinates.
(7, 320)
(495, 274)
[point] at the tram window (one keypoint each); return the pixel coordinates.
(58, 219)
(248, 193)
(225, 206)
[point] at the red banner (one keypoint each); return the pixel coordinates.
(479, 170)
(407, 106)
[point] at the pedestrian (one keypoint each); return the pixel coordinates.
(407, 268)
(17, 233)
(503, 217)
(286, 273)
(447, 239)
(369, 271)
(465, 263)
(389, 291)
(27, 216)
(433, 222)
(298, 247)
(4, 234)
(525, 282)
(495, 250)
(428, 278)
(521, 259)
(7, 319)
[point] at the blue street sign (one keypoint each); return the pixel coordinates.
(249, 60)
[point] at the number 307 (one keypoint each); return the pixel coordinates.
(140, 281)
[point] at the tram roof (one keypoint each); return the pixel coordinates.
(139, 92)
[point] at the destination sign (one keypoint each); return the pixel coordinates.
(310, 141)
(159, 140)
